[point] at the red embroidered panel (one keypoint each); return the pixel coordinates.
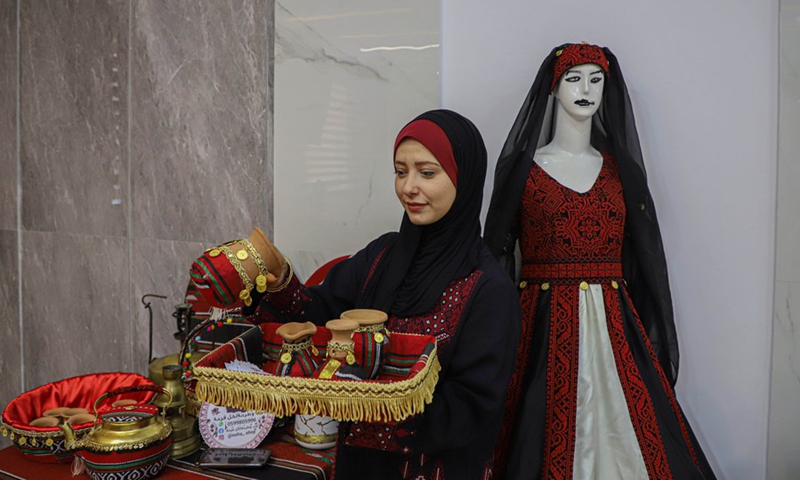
(560, 226)
(640, 406)
(529, 299)
(562, 383)
(665, 384)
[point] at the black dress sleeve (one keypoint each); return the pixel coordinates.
(467, 405)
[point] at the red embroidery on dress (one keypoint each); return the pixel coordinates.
(665, 383)
(565, 235)
(640, 405)
(379, 436)
(372, 268)
(562, 384)
(442, 320)
(560, 225)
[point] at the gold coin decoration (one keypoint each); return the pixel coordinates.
(286, 357)
(351, 359)
(379, 337)
(261, 283)
(584, 286)
(4, 432)
(49, 442)
(23, 440)
(214, 252)
(545, 286)
(314, 350)
(614, 284)
(33, 442)
(242, 255)
(244, 294)
(248, 301)
(11, 436)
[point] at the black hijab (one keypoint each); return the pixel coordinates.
(613, 131)
(423, 260)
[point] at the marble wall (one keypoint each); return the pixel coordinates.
(784, 423)
(348, 75)
(136, 133)
(139, 132)
(10, 347)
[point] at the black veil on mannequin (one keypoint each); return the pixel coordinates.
(613, 131)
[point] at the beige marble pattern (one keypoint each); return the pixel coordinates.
(73, 77)
(80, 325)
(199, 119)
(11, 356)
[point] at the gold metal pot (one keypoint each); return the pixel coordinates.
(136, 439)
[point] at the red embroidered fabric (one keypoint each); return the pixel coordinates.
(566, 238)
(580, 228)
(577, 54)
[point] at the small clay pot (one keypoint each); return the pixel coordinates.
(298, 356)
(80, 418)
(296, 331)
(365, 316)
(342, 330)
(45, 422)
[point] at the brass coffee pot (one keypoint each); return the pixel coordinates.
(133, 438)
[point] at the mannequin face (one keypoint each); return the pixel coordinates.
(580, 90)
(421, 184)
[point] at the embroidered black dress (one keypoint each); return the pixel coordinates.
(597, 403)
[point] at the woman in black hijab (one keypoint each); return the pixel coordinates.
(598, 353)
(432, 277)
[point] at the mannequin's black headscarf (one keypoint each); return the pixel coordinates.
(613, 131)
(423, 260)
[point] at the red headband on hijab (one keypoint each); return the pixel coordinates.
(435, 140)
(577, 54)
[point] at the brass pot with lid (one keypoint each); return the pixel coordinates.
(134, 439)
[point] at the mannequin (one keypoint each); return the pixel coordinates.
(592, 397)
(570, 158)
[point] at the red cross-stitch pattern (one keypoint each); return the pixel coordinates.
(640, 406)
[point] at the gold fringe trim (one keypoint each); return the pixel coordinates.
(365, 401)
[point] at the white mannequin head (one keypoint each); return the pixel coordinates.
(579, 91)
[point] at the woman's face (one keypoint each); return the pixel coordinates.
(421, 184)
(580, 90)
